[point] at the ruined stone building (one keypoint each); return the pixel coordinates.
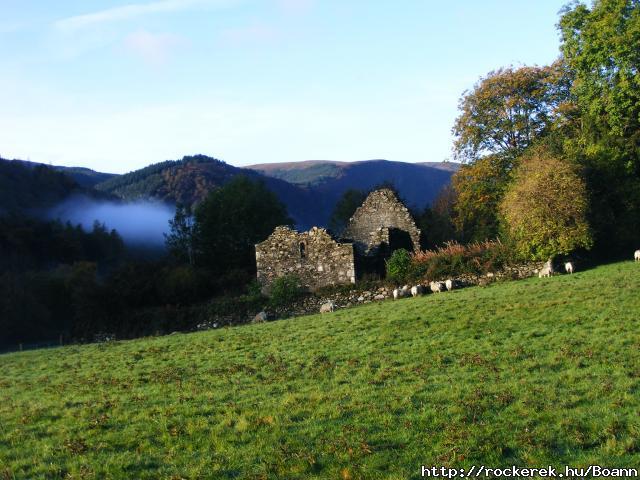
(314, 257)
(379, 226)
(382, 221)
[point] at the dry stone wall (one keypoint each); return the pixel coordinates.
(372, 221)
(314, 257)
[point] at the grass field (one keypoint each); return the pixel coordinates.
(529, 373)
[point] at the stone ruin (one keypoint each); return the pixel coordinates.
(379, 226)
(314, 257)
(382, 220)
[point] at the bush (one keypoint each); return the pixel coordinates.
(454, 259)
(545, 209)
(399, 266)
(284, 291)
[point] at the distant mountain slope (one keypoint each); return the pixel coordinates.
(309, 189)
(315, 172)
(29, 187)
(188, 181)
(85, 177)
(417, 183)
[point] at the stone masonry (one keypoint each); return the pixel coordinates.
(314, 257)
(375, 221)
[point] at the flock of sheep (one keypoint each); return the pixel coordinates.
(437, 287)
(417, 290)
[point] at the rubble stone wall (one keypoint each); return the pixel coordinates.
(371, 222)
(314, 257)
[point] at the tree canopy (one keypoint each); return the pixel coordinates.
(231, 220)
(545, 209)
(507, 110)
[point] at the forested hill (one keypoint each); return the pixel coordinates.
(188, 181)
(417, 183)
(310, 190)
(27, 186)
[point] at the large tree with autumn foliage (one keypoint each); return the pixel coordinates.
(545, 207)
(505, 113)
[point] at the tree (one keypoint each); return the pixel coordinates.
(231, 220)
(545, 209)
(436, 221)
(600, 48)
(479, 188)
(398, 266)
(507, 110)
(179, 240)
(345, 208)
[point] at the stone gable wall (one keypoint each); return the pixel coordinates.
(370, 224)
(313, 256)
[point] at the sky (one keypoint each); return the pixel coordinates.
(116, 85)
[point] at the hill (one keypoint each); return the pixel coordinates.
(85, 177)
(310, 189)
(529, 373)
(418, 184)
(189, 180)
(30, 187)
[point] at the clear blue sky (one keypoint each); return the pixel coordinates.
(118, 85)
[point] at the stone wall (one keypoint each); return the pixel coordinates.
(314, 257)
(381, 212)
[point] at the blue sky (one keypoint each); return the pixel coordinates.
(117, 85)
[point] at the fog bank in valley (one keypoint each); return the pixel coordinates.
(142, 222)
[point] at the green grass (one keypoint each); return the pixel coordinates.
(529, 373)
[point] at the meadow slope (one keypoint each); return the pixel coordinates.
(529, 373)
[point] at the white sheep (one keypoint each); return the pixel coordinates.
(417, 290)
(436, 287)
(449, 284)
(547, 270)
(636, 255)
(406, 290)
(397, 293)
(568, 267)
(327, 307)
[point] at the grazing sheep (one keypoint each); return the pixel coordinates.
(568, 267)
(449, 284)
(406, 291)
(436, 287)
(636, 255)
(547, 270)
(327, 307)
(417, 290)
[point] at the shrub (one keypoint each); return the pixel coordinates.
(545, 210)
(399, 266)
(454, 259)
(284, 291)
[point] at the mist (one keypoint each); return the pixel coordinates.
(138, 223)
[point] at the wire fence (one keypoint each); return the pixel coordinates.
(20, 347)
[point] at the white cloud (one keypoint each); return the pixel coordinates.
(133, 10)
(153, 48)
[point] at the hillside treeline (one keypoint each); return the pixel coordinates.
(551, 153)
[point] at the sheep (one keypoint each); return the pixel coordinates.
(449, 284)
(406, 291)
(416, 290)
(568, 267)
(397, 293)
(547, 270)
(636, 255)
(327, 307)
(436, 287)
